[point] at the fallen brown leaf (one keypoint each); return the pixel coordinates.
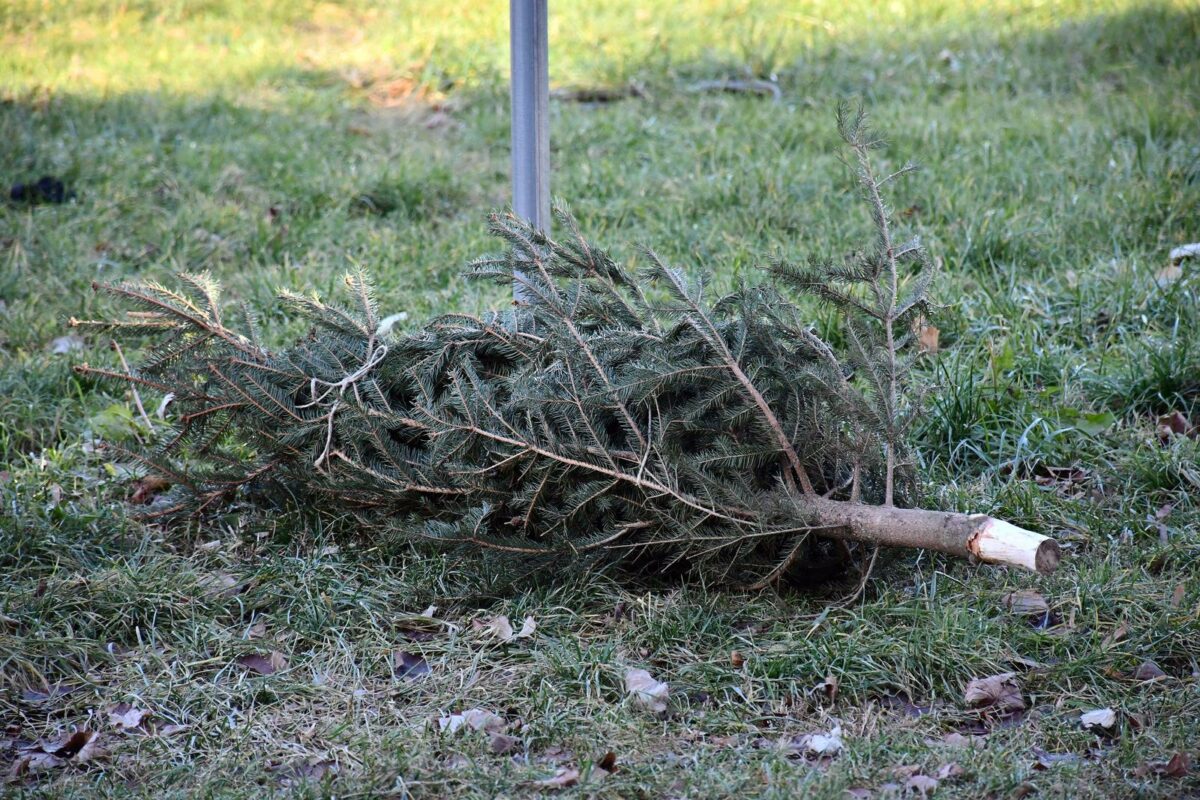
(820, 744)
(1098, 719)
(264, 665)
(997, 691)
(647, 692)
(556, 754)
(1148, 671)
(927, 339)
(737, 659)
(409, 665)
(1119, 633)
(922, 785)
(1026, 603)
(561, 779)
(1168, 275)
(828, 687)
(220, 585)
(31, 763)
(82, 745)
(608, 762)
(1178, 595)
(476, 719)
(48, 692)
(502, 629)
(501, 743)
(145, 489)
(1175, 424)
(956, 739)
(903, 704)
(1046, 760)
(170, 730)
(1179, 766)
(76, 747)
(1067, 481)
(304, 770)
(125, 716)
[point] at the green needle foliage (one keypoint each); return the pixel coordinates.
(616, 418)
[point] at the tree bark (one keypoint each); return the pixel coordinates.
(973, 536)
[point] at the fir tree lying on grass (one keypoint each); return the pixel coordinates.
(614, 418)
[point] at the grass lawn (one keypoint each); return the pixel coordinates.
(280, 144)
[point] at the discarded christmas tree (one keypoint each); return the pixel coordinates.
(614, 418)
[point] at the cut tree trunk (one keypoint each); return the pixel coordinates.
(973, 536)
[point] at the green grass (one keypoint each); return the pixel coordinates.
(1061, 164)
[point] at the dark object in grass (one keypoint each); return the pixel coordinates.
(616, 419)
(763, 88)
(594, 95)
(47, 189)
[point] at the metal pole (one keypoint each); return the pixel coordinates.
(530, 114)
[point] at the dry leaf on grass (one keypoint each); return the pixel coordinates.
(1119, 633)
(608, 762)
(147, 488)
(1179, 766)
(1046, 760)
(264, 665)
(821, 745)
(1168, 275)
(48, 692)
(502, 629)
(409, 665)
(125, 716)
(476, 719)
(921, 785)
(956, 739)
(501, 744)
(561, 779)
(219, 585)
(997, 691)
(1178, 595)
(1148, 671)
(309, 769)
(828, 688)
(927, 339)
(170, 730)
(1175, 424)
(1026, 603)
(647, 692)
(77, 747)
(1098, 719)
